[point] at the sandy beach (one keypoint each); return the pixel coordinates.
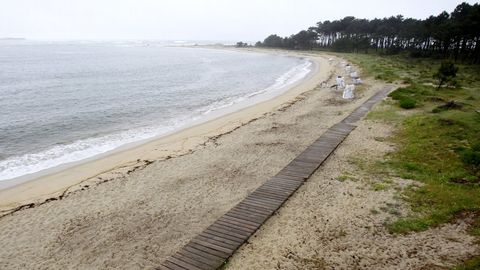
(57, 182)
(161, 194)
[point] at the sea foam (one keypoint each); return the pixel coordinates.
(17, 166)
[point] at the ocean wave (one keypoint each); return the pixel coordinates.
(79, 150)
(290, 77)
(14, 167)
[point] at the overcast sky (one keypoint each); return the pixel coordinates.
(235, 20)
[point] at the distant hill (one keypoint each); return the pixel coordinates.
(11, 38)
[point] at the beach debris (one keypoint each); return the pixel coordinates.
(348, 91)
(348, 69)
(450, 105)
(340, 82)
(357, 81)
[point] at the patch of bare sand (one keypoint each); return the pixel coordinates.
(137, 220)
(336, 220)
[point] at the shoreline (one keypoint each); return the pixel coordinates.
(56, 182)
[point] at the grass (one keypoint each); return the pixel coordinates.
(431, 147)
(472, 264)
(380, 186)
(437, 145)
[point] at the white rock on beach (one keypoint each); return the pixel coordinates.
(348, 92)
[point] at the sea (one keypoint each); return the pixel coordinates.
(67, 101)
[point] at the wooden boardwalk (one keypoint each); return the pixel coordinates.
(211, 248)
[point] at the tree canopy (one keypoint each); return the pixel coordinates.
(455, 34)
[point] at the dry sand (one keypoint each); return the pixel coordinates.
(56, 183)
(336, 220)
(135, 220)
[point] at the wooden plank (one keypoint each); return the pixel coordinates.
(262, 202)
(226, 242)
(201, 256)
(286, 180)
(183, 264)
(209, 249)
(295, 172)
(319, 157)
(286, 185)
(228, 230)
(283, 182)
(254, 196)
(247, 217)
(215, 241)
(239, 228)
(290, 173)
(172, 266)
(244, 216)
(249, 213)
(257, 204)
(268, 193)
(304, 158)
(253, 202)
(232, 230)
(211, 244)
(224, 235)
(279, 185)
(239, 221)
(253, 209)
(278, 189)
(274, 192)
(295, 161)
(298, 166)
(293, 178)
(192, 261)
(280, 192)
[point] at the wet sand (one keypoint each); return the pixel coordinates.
(135, 217)
(60, 181)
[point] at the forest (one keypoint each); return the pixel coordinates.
(454, 35)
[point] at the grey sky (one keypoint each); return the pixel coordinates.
(191, 19)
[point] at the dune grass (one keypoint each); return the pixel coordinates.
(438, 144)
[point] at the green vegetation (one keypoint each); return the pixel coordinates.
(241, 44)
(438, 144)
(407, 103)
(473, 264)
(446, 73)
(346, 176)
(447, 35)
(380, 186)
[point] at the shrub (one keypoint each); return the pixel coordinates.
(407, 103)
(396, 95)
(446, 73)
(471, 158)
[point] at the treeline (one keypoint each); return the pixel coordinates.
(447, 35)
